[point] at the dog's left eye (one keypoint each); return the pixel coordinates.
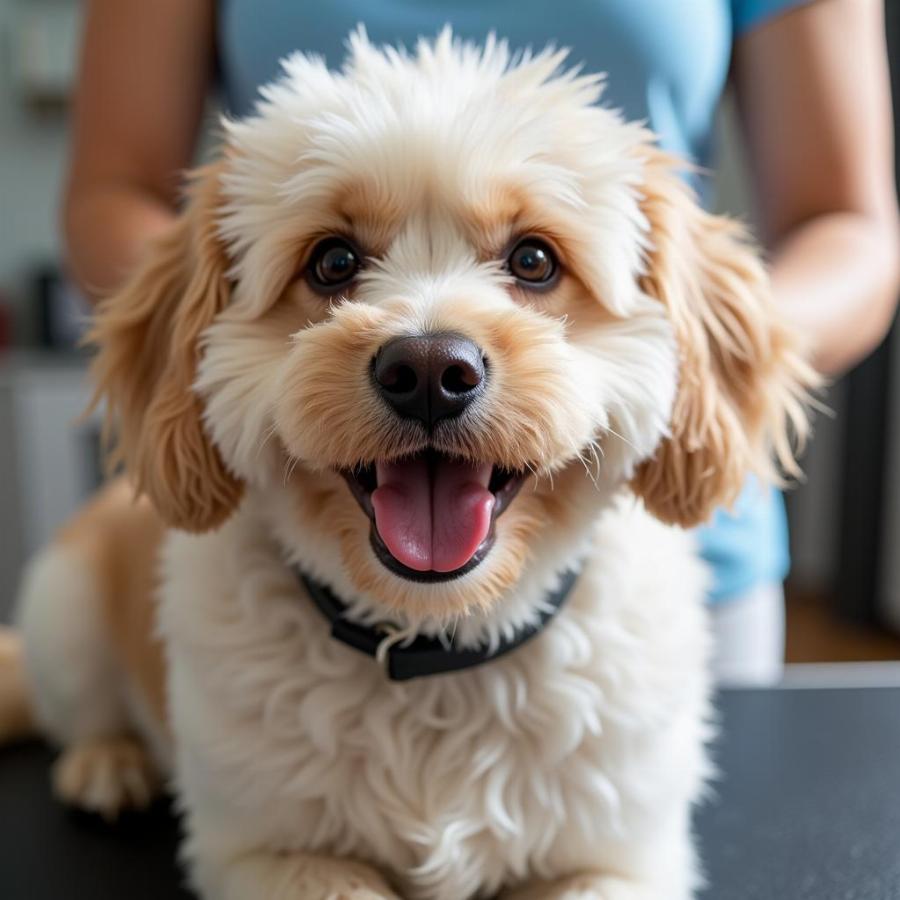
(533, 263)
(333, 265)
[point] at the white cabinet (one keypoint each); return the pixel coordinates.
(50, 458)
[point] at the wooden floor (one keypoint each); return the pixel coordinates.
(816, 634)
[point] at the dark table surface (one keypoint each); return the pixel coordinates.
(807, 807)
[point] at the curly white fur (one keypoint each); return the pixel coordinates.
(581, 753)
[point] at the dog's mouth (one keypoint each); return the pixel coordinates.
(432, 515)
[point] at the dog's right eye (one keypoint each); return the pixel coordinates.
(533, 264)
(333, 265)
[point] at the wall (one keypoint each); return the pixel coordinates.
(32, 151)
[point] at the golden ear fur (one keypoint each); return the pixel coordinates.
(743, 383)
(147, 337)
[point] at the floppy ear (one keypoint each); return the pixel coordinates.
(743, 384)
(147, 340)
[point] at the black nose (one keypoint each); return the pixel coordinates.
(429, 378)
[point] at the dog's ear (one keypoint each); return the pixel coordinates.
(741, 403)
(147, 341)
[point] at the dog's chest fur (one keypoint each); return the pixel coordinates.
(528, 765)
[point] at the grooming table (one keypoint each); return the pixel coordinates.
(807, 807)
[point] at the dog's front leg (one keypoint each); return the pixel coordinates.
(294, 876)
(587, 886)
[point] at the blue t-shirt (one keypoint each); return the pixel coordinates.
(667, 63)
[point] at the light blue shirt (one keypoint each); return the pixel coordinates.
(667, 62)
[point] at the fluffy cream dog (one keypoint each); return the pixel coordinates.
(436, 332)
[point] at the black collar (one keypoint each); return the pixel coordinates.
(423, 656)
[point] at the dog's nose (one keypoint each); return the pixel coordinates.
(430, 377)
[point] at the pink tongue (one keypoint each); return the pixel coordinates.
(432, 518)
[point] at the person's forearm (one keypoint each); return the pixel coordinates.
(836, 276)
(107, 229)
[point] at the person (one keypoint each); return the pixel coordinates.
(811, 84)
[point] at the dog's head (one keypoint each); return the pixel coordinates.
(449, 305)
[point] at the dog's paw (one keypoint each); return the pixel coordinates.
(106, 776)
(292, 877)
(583, 887)
(333, 879)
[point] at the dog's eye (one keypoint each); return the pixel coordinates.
(333, 264)
(533, 262)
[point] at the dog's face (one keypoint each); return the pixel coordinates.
(446, 305)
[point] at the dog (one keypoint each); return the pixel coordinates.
(419, 400)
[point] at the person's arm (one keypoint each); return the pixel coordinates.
(814, 98)
(145, 71)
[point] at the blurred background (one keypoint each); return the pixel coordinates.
(844, 591)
